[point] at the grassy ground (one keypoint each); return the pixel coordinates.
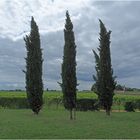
(56, 124)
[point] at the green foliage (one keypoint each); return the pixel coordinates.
(129, 106)
(55, 99)
(13, 103)
(34, 85)
(137, 104)
(119, 87)
(105, 81)
(96, 86)
(69, 80)
(11, 94)
(87, 104)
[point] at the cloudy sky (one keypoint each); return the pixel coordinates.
(121, 17)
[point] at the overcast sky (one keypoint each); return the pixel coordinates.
(121, 17)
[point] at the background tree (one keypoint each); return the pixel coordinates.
(105, 81)
(69, 80)
(34, 84)
(119, 87)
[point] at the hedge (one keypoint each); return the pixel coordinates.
(137, 104)
(129, 106)
(87, 104)
(82, 104)
(14, 103)
(21, 103)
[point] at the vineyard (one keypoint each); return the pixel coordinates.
(82, 94)
(54, 99)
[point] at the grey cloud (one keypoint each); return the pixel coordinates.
(123, 19)
(120, 17)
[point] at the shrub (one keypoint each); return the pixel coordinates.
(18, 103)
(129, 106)
(87, 104)
(137, 104)
(56, 101)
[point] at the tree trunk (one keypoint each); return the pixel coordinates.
(74, 113)
(36, 113)
(71, 118)
(107, 112)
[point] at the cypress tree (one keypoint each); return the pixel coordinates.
(105, 81)
(69, 80)
(34, 84)
(96, 85)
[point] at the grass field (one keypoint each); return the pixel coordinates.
(56, 124)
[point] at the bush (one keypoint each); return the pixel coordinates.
(137, 104)
(129, 106)
(54, 101)
(22, 103)
(87, 104)
(14, 103)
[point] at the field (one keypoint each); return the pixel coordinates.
(54, 122)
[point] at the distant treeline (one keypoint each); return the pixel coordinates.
(120, 88)
(124, 88)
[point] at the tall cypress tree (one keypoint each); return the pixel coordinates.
(105, 81)
(34, 84)
(69, 80)
(96, 77)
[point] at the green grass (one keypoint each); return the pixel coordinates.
(55, 124)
